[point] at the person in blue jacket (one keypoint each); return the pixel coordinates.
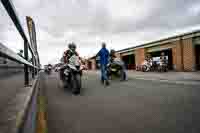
(104, 58)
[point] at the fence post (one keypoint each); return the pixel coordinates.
(26, 73)
(33, 69)
(36, 64)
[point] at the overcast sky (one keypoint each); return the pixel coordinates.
(119, 23)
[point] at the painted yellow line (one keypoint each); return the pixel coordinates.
(41, 116)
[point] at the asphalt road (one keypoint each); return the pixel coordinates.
(134, 106)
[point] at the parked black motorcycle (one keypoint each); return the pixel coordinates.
(115, 68)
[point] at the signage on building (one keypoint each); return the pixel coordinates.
(32, 33)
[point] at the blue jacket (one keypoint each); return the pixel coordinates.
(104, 56)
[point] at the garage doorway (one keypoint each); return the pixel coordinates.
(129, 61)
(168, 53)
(197, 52)
(89, 65)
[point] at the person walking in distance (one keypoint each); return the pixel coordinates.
(104, 57)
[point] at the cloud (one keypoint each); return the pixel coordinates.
(120, 23)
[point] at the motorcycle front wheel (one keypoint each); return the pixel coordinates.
(144, 68)
(76, 83)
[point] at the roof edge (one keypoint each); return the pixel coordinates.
(160, 40)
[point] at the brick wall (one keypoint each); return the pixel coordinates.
(87, 64)
(188, 55)
(177, 56)
(183, 55)
(139, 56)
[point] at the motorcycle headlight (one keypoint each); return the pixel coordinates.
(66, 72)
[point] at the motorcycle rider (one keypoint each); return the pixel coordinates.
(67, 55)
(163, 61)
(150, 60)
(112, 55)
(70, 52)
(163, 58)
(48, 69)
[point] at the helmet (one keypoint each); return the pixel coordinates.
(112, 51)
(69, 45)
(163, 54)
(73, 45)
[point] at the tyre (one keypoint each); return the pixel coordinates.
(48, 72)
(76, 83)
(166, 69)
(66, 84)
(160, 69)
(144, 68)
(122, 75)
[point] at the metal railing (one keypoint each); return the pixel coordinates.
(7, 53)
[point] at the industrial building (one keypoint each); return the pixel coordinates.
(182, 51)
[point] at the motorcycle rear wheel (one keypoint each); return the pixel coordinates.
(122, 75)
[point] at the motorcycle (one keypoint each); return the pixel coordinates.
(72, 74)
(115, 68)
(57, 69)
(48, 70)
(147, 66)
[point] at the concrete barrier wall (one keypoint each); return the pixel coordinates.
(4, 72)
(8, 67)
